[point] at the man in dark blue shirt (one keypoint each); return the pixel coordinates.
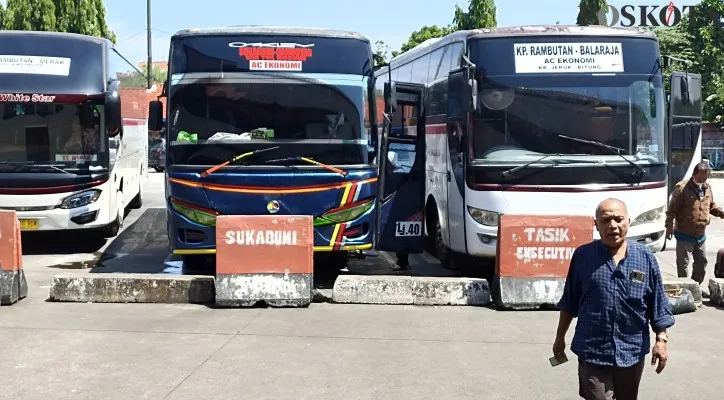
(614, 288)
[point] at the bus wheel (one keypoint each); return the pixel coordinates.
(331, 261)
(441, 251)
(114, 228)
(195, 262)
(137, 201)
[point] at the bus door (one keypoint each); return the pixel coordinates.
(401, 163)
(684, 126)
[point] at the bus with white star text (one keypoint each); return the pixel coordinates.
(69, 161)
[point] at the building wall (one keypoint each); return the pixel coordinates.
(134, 102)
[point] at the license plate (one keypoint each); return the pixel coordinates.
(29, 224)
(408, 228)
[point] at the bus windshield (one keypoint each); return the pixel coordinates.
(54, 135)
(536, 102)
(299, 117)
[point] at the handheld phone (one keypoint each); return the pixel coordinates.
(555, 362)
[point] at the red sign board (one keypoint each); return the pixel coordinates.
(539, 245)
(274, 51)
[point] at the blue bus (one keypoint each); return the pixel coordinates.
(283, 120)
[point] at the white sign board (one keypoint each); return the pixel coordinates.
(35, 65)
(274, 65)
(540, 58)
(78, 158)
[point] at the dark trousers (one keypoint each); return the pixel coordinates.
(698, 251)
(402, 259)
(597, 382)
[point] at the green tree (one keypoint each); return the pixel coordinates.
(708, 46)
(2, 15)
(30, 15)
(381, 53)
(86, 17)
(588, 12)
(65, 15)
(676, 42)
(700, 41)
(421, 35)
(103, 30)
(480, 14)
(136, 79)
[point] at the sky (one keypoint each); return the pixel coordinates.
(390, 21)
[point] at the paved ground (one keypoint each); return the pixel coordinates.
(117, 351)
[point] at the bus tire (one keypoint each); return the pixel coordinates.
(194, 261)
(112, 229)
(137, 201)
(442, 252)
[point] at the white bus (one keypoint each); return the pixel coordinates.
(545, 120)
(68, 160)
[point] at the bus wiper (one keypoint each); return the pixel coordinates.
(614, 150)
(234, 159)
(513, 170)
(31, 165)
(311, 161)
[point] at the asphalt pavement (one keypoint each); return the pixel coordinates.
(326, 351)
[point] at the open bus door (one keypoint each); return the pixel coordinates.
(684, 126)
(401, 163)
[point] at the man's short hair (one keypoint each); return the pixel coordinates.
(609, 200)
(702, 167)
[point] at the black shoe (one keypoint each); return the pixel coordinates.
(398, 267)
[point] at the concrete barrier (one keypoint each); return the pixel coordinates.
(132, 288)
(533, 256)
(411, 290)
(716, 291)
(13, 285)
(264, 259)
(685, 283)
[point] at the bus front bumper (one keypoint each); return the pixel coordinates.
(189, 238)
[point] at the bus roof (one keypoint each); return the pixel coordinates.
(76, 36)
(271, 30)
(517, 31)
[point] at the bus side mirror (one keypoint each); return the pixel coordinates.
(460, 89)
(473, 85)
(390, 97)
(155, 115)
(112, 110)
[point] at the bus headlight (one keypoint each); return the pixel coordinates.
(484, 217)
(344, 214)
(655, 215)
(194, 213)
(80, 199)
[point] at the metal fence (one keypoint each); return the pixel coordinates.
(715, 155)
